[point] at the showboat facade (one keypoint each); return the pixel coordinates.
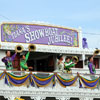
(45, 81)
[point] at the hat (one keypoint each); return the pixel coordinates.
(59, 56)
(84, 39)
(75, 58)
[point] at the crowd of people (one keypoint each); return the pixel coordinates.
(64, 66)
(8, 59)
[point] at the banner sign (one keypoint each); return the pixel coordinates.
(39, 34)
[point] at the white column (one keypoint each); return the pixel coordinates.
(83, 59)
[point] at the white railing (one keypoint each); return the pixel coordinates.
(71, 84)
(60, 79)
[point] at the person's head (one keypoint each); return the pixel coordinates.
(22, 57)
(8, 53)
(84, 39)
(74, 60)
(90, 59)
(68, 58)
(60, 57)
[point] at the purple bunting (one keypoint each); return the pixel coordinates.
(17, 82)
(93, 84)
(66, 83)
(42, 82)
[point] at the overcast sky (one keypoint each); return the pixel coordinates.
(70, 13)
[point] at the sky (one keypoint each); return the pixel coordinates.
(69, 13)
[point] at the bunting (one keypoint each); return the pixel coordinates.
(2, 75)
(18, 80)
(89, 83)
(66, 82)
(39, 81)
(42, 82)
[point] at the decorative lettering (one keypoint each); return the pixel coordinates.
(39, 34)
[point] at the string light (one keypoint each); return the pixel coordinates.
(5, 17)
(90, 33)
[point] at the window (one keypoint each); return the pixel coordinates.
(41, 61)
(79, 64)
(96, 62)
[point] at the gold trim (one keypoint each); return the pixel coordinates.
(40, 24)
(41, 44)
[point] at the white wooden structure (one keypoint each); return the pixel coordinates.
(58, 92)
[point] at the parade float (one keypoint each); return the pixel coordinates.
(43, 82)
